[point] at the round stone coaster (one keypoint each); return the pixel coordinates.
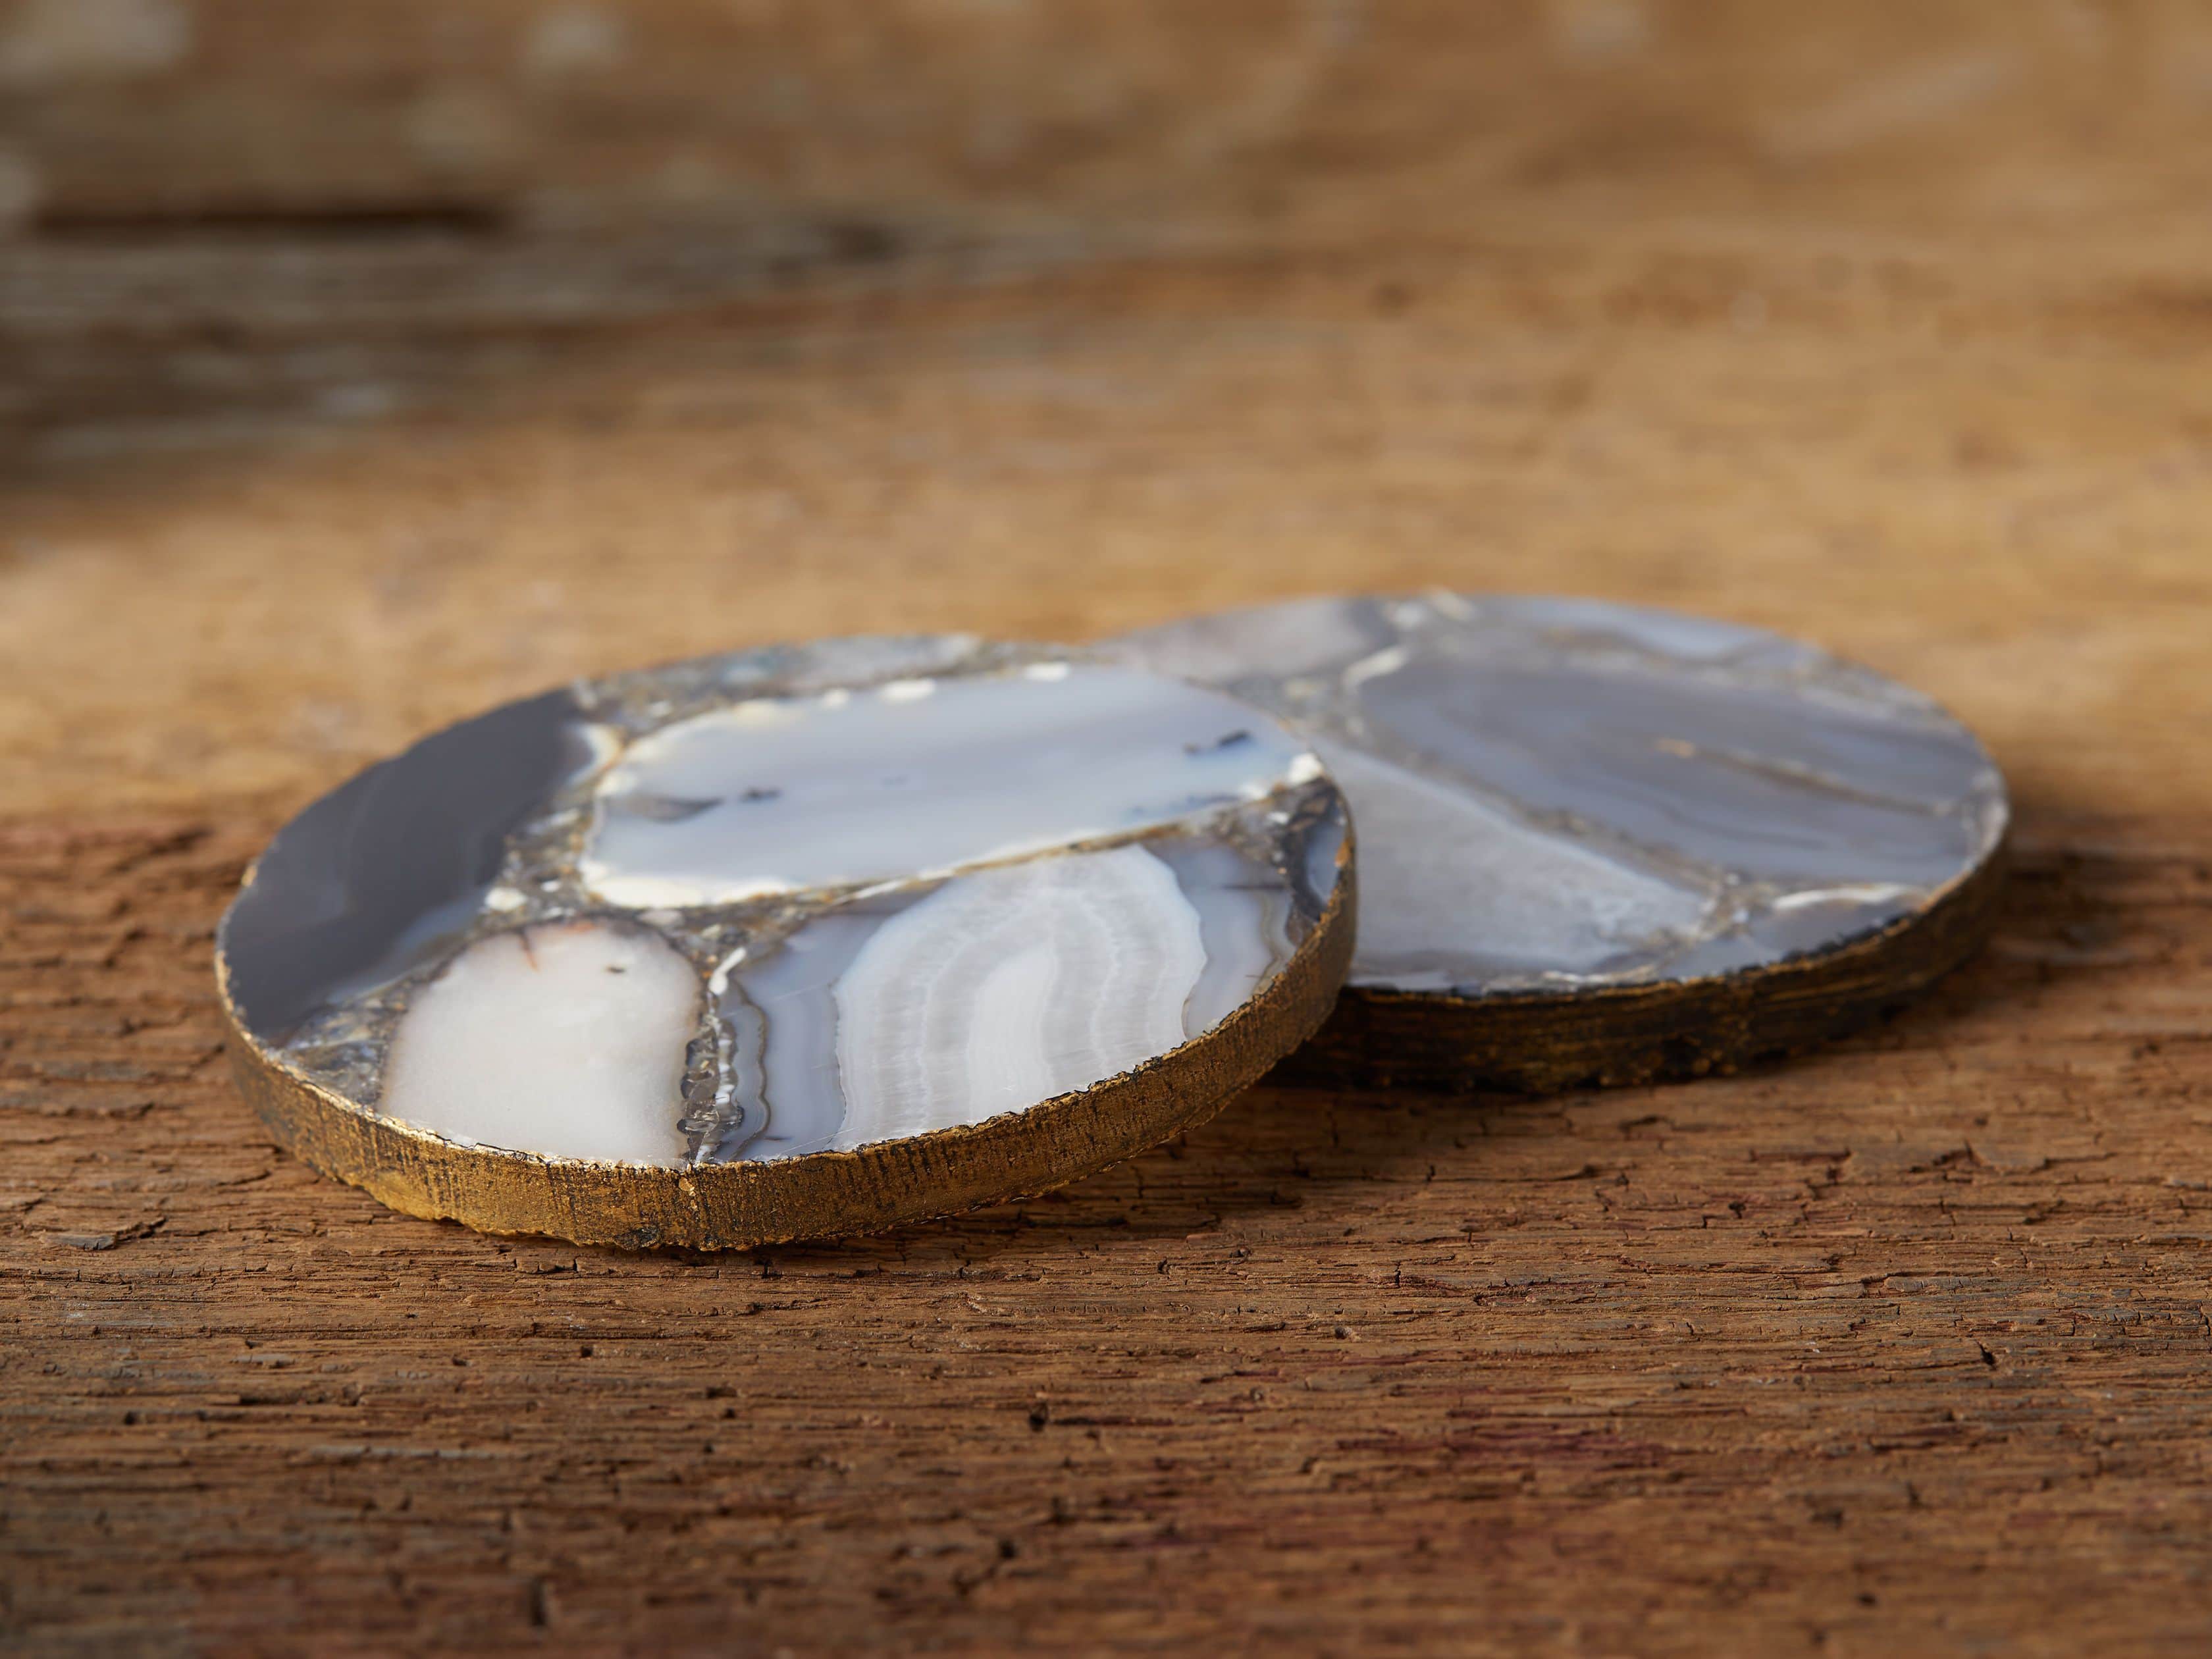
(788, 943)
(1600, 843)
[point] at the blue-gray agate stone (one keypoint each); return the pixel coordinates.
(1560, 796)
(783, 902)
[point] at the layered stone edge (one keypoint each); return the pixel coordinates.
(825, 1194)
(1537, 1042)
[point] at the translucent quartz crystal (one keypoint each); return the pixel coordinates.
(1555, 792)
(775, 795)
(1011, 986)
(1000, 989)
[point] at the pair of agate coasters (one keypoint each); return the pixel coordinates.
(817, 940)
(788, 943)
(1601, 843)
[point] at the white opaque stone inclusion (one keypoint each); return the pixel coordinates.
(565, 1040)
(918, 777)
(1012, 985)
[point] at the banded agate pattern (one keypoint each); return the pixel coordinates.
(1554, 794)
(784, 902)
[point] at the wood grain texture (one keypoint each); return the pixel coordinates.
(1884, 325)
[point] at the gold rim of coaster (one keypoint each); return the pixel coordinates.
(818, 1194)
(1543, 1041)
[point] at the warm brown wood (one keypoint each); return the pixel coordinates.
(1883, 324)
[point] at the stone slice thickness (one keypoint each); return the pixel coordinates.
(1556, 794)
(747, 908)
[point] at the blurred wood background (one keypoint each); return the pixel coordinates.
(360, 366)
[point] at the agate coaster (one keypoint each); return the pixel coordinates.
(1601, 843)
(788, 943)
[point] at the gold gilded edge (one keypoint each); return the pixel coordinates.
(819, 1194)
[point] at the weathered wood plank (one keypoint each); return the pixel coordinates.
(1884, 329)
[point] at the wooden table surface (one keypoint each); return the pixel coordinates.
(351, 380)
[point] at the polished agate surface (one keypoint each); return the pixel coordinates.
(1558, 793)
(784, 902)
